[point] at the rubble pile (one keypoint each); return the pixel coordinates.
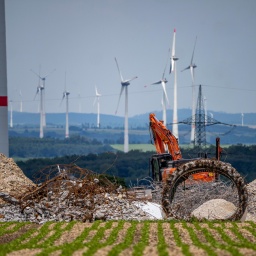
(68, 192)
(72, 193)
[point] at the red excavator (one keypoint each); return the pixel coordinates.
(168, 155)
(172, 171)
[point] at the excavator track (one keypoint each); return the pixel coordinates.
(179, 181)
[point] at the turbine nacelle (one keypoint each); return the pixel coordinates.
(189, 67)
(127, 82)
(124, 83)
(96, 92)
(65, 94)
(159, 82)
(192, 65)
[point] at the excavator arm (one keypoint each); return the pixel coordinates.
(163, 138)
(164, 141)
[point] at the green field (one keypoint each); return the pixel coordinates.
(142, 147)
(128, 238)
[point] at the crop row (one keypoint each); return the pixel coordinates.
(128, 238)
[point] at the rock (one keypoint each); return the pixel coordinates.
(99, 216)
(215, 209)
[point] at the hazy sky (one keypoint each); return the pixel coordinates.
(82, 38)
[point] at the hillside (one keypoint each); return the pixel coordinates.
(24, 118)
(111, 128)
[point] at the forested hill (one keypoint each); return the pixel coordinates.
(134, 166)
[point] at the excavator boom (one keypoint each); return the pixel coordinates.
(163, 138)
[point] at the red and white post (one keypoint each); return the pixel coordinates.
(4, 139)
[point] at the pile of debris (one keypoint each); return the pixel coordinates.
(68, 192)
(65, 193)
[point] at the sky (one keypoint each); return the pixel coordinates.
(80, 39)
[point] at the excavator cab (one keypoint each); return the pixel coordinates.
(158, 163)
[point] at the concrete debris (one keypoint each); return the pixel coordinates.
(65, 193)
(68, 192)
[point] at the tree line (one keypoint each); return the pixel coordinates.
(134, 166)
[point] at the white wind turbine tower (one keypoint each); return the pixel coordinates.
(165, 100)
(242, 115)
(11, 121)
(173, 68)
(39, 90)
(65, 95)
(192, 66)
(43, 93)
(4, 138)
(124, 86)
(97, 98)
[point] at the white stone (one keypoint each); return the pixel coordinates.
(215, 209)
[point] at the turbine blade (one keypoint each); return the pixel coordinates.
(36, 74)
(165, 93)
(64, 95)
(122, 89)
(37, 91)
(119, 71)
(50, 73)
(94, 100)
(173, 43)
(173, 52)
(191, 63)
(159, 82)
(185, 68)
(171, 64)
(164, 70)
(129, 80)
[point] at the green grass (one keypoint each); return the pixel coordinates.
(142, 147)
(37, 238)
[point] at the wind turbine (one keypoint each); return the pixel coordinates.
(165, 100)
(124, 86)
(39, 90)
(173, 68)
(65, 95)
(242, 115)
(192, 66)
(4, 137)
(97, 98)
(43, 95)
(11, 121)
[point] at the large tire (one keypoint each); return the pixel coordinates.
(198, 166)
